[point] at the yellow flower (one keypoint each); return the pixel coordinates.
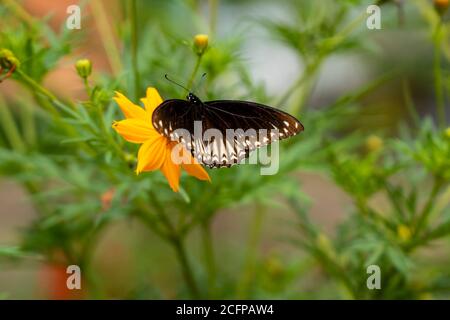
(156, 150)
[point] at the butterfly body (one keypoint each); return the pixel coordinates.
(222, 133)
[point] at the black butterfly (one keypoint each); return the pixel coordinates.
(254, 125)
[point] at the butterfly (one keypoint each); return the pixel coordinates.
(237, 127)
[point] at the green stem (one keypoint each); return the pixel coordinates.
(307, 75)
(10, 128)
(208, 251)
(178, 243)
(107, 36)
(194, 72)
(213, 8)
(87, 87)
(107, 131)
(371, 215)
(28, 124)
(134, 47)
(37, 87)
(185, 267)
(86, 256)
(22, 14)
(409, 103)
(394, 199)
(437, 71)
(252, 252)
(427, 209)
(314, 65)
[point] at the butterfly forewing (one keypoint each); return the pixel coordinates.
(243, 127)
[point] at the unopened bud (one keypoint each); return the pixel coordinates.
(447, 133)
(404, 232)
(200, 43)
(441, 6)
(8, 60)
(374, 143)
(84, 67)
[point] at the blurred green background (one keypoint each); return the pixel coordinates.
(366, 183)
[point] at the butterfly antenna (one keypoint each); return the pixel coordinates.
(170, 80)
(200, 82)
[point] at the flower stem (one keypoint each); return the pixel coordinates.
(134, 47)
(423, 218)
(213, 8)
(309, 74)
(107, 36)
(87, 87)
(194, 72)
(177, 240)
(208, 251)
(252, 252)
(36, 86)
(437, 71)
(28, 124)
(409, 103)
(10, 128)
(180, 251)
(21, 13)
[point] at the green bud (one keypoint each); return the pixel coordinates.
(8, 59)
(84, 67)
(447, 133)
(374, 143)
(200, 43)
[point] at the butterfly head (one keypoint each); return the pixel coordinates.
(192, 98)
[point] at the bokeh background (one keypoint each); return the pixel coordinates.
(367, 98)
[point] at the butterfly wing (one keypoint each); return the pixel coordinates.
(174, 114)
(262, 125)
(175, 119)
(252, 126)
(251, 115)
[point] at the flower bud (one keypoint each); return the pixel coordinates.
(200, 43)
(84, 67)
(374, 143)
(404, 232)
(447, 133)
(8, 59)
(441, 6)
(274, 267)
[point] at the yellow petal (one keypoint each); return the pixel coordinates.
(193, 168)
(152, 101)
(135, 130)
(129, 109)
(151, 155)
(171, 171)
(197, 171)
